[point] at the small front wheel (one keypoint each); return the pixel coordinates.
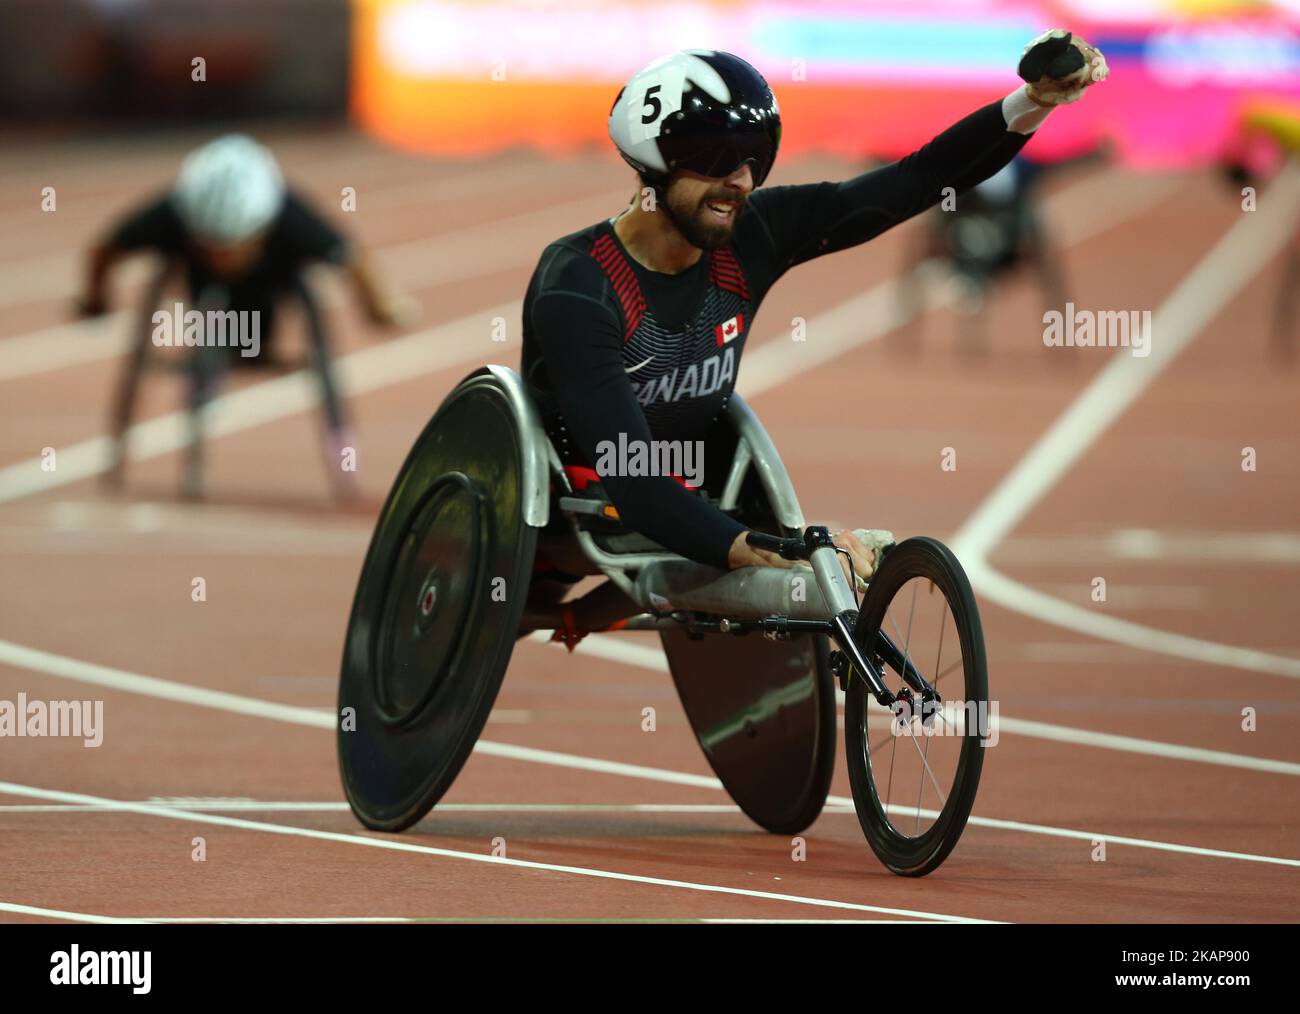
(915, 771)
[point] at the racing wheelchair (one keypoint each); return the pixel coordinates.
(757, 654)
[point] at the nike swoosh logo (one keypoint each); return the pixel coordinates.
(638, 365)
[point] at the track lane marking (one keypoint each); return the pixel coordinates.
(432, 349)
(292, 806)
(862, 319)
(610, 648)
(84, 917)
(86, 672)
(55, 276)
(366, 841)
(841, 329)
(613, 768)
(1239, 255)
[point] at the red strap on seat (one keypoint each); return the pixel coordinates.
(568, 635)
(580, 477)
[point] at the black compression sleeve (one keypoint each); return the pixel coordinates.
(154, 225)
(308, 236)
(807, 221)
(581, 344)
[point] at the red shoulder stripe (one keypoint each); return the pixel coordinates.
(623, 279)
(725, 272)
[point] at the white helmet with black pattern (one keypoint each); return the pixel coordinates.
(702, 110)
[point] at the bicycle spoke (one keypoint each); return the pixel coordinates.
(884, 740)
(943, 800)
(945, 672)
(920, 788)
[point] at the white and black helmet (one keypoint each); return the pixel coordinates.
(229, 190)
(701, 110)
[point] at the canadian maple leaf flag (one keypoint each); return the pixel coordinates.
(729, 329)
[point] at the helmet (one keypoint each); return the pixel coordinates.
(229, 190)
(701, 110)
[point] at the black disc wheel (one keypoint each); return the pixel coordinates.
(436, 611)
(764, 715)
(915, 770)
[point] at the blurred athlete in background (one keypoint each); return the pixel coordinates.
(1266, 139)
(988, 234)
(242, 240)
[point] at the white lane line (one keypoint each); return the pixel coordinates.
(611, 648)
(170, 813)
(610, 767)
(1119, 597)
(86, 672)
(876, 312)
(1243, 251)
(150, 686)
(818, 922)
(56, 275)
(291, 806)
(105, 527)
(1021, 598)
(401, 359)
(1202, 549)
(425, 263)
(555, 758)
(1111, 839)
(615, 648)
(1148, 747)
(839, 330)
(83, 217)
(53, 348)
(55, 913)
(848, 326)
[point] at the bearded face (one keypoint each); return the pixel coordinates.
(705, 209)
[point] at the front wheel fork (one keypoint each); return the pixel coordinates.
(850, 656)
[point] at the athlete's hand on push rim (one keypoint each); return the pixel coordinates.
(742, 554)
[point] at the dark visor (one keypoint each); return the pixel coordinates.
(719, 144)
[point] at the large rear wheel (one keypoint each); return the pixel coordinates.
(436, 611)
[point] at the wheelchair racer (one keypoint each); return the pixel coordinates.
(243, 240)
(995, 230)
(1266, 137)
(634, 327)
